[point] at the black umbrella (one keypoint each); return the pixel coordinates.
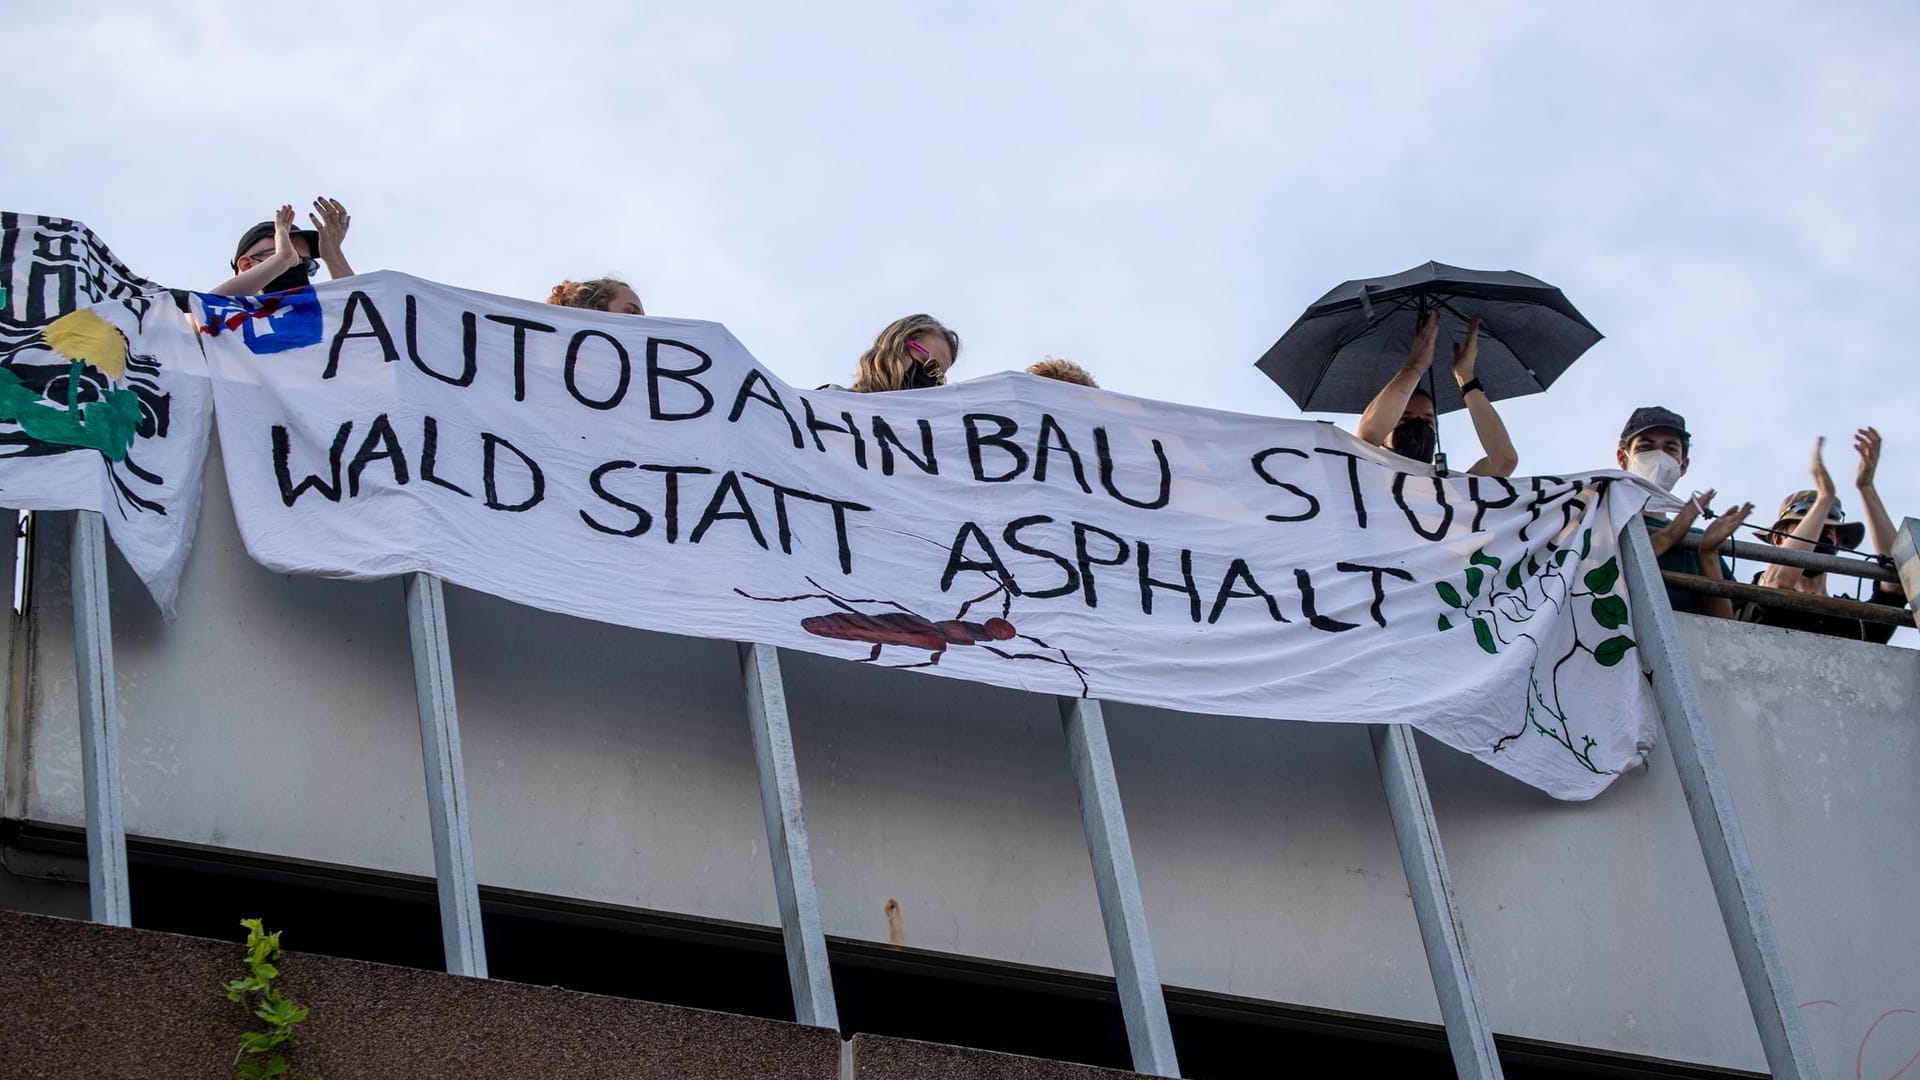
(1339, 354)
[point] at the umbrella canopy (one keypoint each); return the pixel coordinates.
(1339, 354)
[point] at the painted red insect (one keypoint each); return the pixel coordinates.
(907, 628)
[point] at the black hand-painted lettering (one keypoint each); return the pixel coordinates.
(1086, 561)
(815, 426)
(1314, 619)
(1260, 468)
(571, 372)
(380, 444)
(642, 520)
(840, 507)
(888, 442)
(673, 474)
(1054, 438)
(490, 444)
(430, 454)
(960, 561)
(520, 329)
(469, 346)
(1103, 448)
(1012, 537)
(729, 485)
(1353, 480)
(771, 397)
(685, 376)
(1148, 582)
(1380, 574)
(1413, 518)
(359, 303)
(1000, 440)
(1238, 571)
(1481, 506)
(283, 450)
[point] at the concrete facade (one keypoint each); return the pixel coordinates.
(277, 716)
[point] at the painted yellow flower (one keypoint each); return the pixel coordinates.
(83, 336)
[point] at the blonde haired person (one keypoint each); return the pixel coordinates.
(910, 354)
(1064, 370)
(599, 294)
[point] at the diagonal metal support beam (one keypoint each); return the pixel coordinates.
(1743, 907)
(800, 923)
(1469, 1034)
(99, 722)
(1142, 1004)
(447, 809)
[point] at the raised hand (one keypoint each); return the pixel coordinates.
(1464, 353)
(1822, 479)
(1420, 357)
(1867, 442)
(283, 235)
(330, 221)
(1722, 528)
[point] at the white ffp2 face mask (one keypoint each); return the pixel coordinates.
(1656, 467)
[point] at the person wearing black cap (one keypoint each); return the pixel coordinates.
(1654, 446)
(1814, 521)
(273, 256)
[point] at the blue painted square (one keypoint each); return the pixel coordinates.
(273, 323)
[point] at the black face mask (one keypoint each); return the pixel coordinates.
(295, 278)
(919, 378)
(1415, 439)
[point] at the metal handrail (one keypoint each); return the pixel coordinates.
(1838, 606)
(1865, 567)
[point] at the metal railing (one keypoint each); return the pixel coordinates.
(1863, 567)
(1470, 1037)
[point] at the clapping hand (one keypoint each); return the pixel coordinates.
(330, 221)
(1822, 479)
(1867, 442)
(1722, 527)
(1420, 357)
(1464, 353)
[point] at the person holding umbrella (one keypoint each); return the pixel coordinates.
(1401, 417)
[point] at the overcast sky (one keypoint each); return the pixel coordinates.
(1728, 191)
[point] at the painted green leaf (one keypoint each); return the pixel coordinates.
(1514, 576)
(1445, 623)
(1475, 576)
(1533, 566)
(1611, 650)
(1601, 578)
(1485, 559)
(1561, 558)
(1610, 612)
(1484, 635)
(1450, 594)
(1586, 543)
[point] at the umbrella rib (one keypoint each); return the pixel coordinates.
(1395, 304)
(1493, 334)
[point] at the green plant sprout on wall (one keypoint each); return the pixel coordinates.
(260, 1056)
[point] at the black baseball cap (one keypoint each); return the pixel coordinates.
(1648, 417)
(265, 229)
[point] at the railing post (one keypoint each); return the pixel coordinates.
(1906, 559)
(99, 722)
(1122, 909)
(1743, 907)
(1455, 986)
(447, 810)
(800, 923)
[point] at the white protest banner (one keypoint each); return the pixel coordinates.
(104, 403)
(1010, 530)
